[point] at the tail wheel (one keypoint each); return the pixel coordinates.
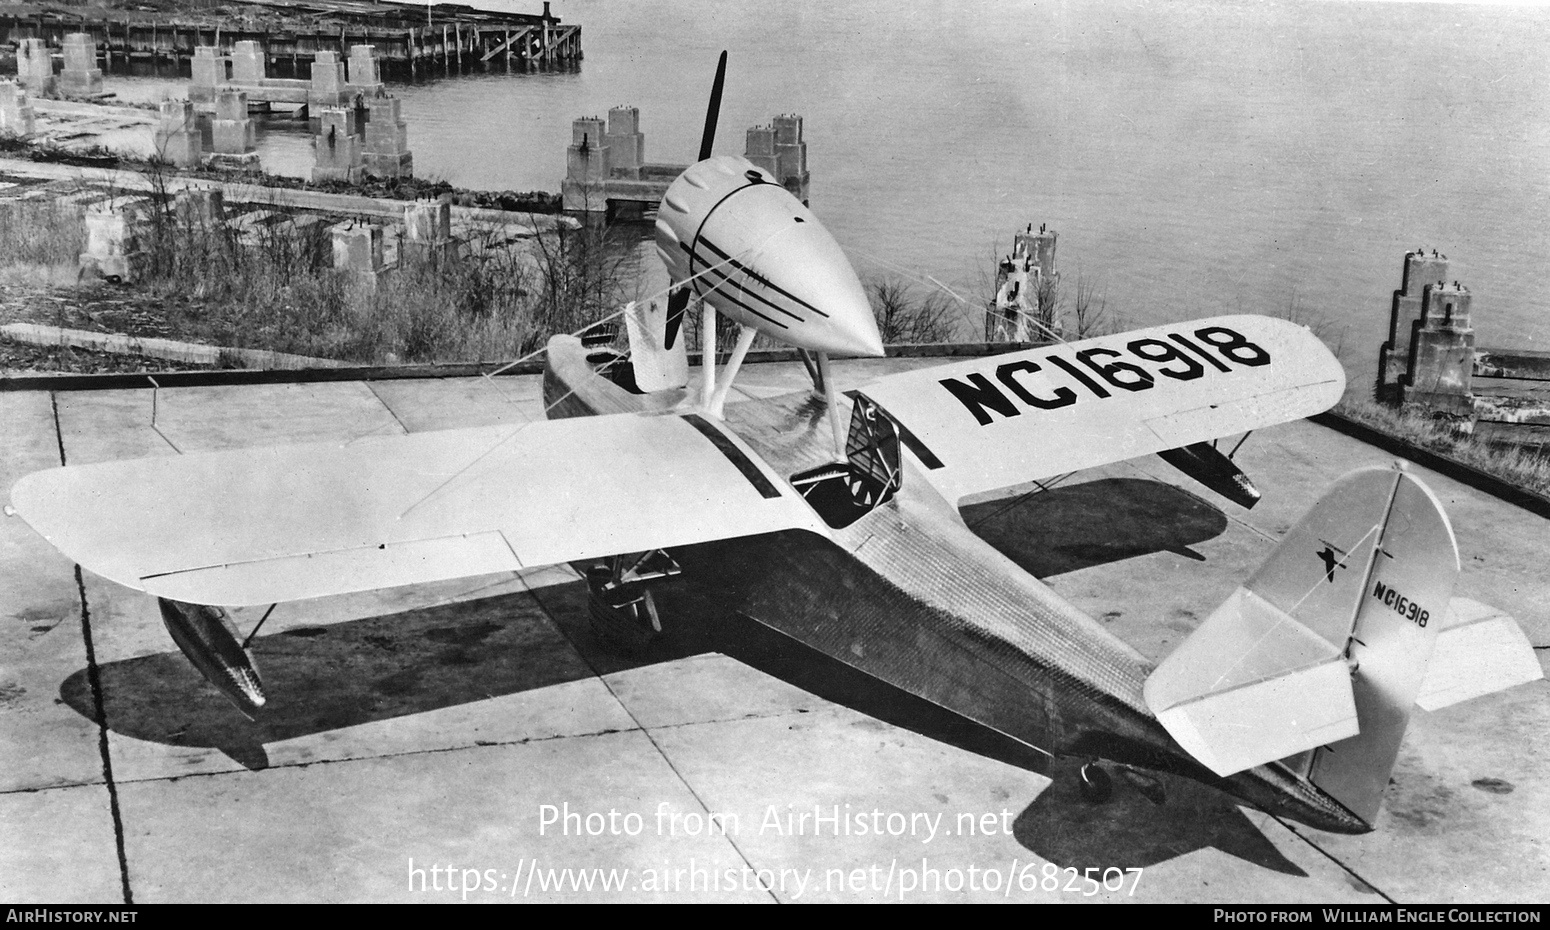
(1097, 787)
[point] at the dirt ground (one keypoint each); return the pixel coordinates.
(41, 297)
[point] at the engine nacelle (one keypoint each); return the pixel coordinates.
(762, 258)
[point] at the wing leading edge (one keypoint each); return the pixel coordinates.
(256, 526)
(986, 425)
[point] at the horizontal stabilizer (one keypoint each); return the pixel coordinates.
(1479, 650)
(1326, 644)
(1252, 685)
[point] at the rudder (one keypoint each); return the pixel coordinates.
(1404, 601)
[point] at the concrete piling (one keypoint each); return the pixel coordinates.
(358, 251)
(1431, 366)
(779, 149)
(199, 208)
(626, 144)
(177, 136)
(231, 130)
(328, 84)
(16, 116)
(35, 67)
(232, 133)
(207, 72)
(247, 63)
(1442, 352)
(1420, 269)
(364, 76)
(1022, 278)
(337, 146)
(385, 143)
(428, 234)
(111, 248)
(81, 76)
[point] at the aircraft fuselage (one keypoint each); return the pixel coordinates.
(910, 596)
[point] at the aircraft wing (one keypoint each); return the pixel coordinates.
(256, 526)
(993, 423)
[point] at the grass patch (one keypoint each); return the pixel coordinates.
(36, 233)
(277, 290)
(273, 286)
(1524, 469)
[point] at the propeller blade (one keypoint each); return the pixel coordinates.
(677, 303)
(713, 111)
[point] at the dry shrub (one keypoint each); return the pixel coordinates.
(274, 288)
(34, 232)
(1524, 468)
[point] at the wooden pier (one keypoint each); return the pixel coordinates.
(406, 35)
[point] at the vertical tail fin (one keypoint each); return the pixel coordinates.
(1403, 604)
(1325, 647)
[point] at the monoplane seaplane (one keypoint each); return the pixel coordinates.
(834, 521)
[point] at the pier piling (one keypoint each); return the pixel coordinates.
(403, 34)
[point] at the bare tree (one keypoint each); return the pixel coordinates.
(1318, 322)
(581, 276)
(902, 318)
(1090, 311)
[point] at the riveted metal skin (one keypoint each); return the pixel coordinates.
(910, 596)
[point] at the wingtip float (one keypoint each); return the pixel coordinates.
(208, 638)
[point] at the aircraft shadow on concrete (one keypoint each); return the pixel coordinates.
(326, 678)
(1093, 523)
(1131, 830)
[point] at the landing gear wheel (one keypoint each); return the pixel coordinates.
(625, 617)
(1097, 787)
